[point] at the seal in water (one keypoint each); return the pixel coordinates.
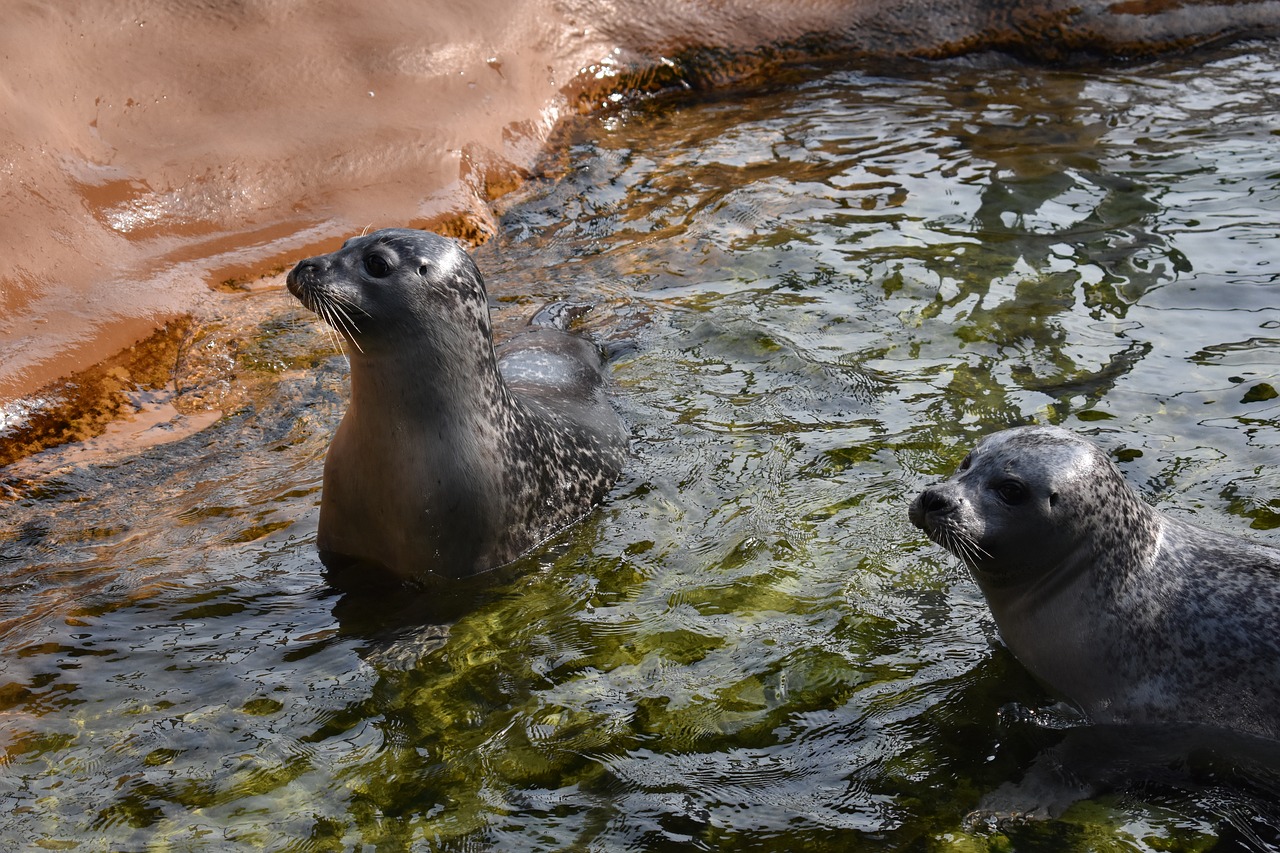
(1135, 616)
(450, 459)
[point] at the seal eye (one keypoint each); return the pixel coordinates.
(966, 462)
(1011, 491)
(377, 266)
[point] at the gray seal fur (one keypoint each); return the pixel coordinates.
(450, 459)
(1135, 616)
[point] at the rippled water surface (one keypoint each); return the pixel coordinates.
(835, 288)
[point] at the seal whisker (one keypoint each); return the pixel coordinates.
(336, 338)
(339, 319)
(942, 535)
(963, 546)
(972, 549)
(958, 545)
(341, 315)
(322, 309)
(346, 302)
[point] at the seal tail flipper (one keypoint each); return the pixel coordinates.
(619, 348)
(559, 315)
(562, 315)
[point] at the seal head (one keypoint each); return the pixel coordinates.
(449, 460)
(1026, 492)
(1133, 615)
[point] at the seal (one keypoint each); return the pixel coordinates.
(451, 459)
(1133, 615)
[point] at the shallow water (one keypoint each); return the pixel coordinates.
(835, 286)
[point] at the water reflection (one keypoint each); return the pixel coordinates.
(834, 285)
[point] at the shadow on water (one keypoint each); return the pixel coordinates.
(836, 284)
(1231, 779)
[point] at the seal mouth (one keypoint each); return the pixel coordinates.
(305, 283)
(957, 541)
(934, 513)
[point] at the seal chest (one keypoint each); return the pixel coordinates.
(449, 460)
(1131, 614)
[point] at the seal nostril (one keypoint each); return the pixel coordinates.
(301, 276)
(934, 501)
(927, 503)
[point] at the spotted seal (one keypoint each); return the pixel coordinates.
(451, 458)
(1135, 616)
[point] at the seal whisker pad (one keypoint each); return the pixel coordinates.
(335, 316)
(1133, 615)
(451, 459)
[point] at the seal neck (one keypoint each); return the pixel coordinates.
(416, 387)
(1125, 538)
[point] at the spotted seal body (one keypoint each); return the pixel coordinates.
(1135, 616)
(450, 460)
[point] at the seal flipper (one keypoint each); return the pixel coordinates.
(560, 315)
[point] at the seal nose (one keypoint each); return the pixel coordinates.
(931, 500)
(302, 276)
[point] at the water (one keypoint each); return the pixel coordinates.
(835, 286)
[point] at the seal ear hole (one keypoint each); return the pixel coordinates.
(1053, 499)
(423, 270)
